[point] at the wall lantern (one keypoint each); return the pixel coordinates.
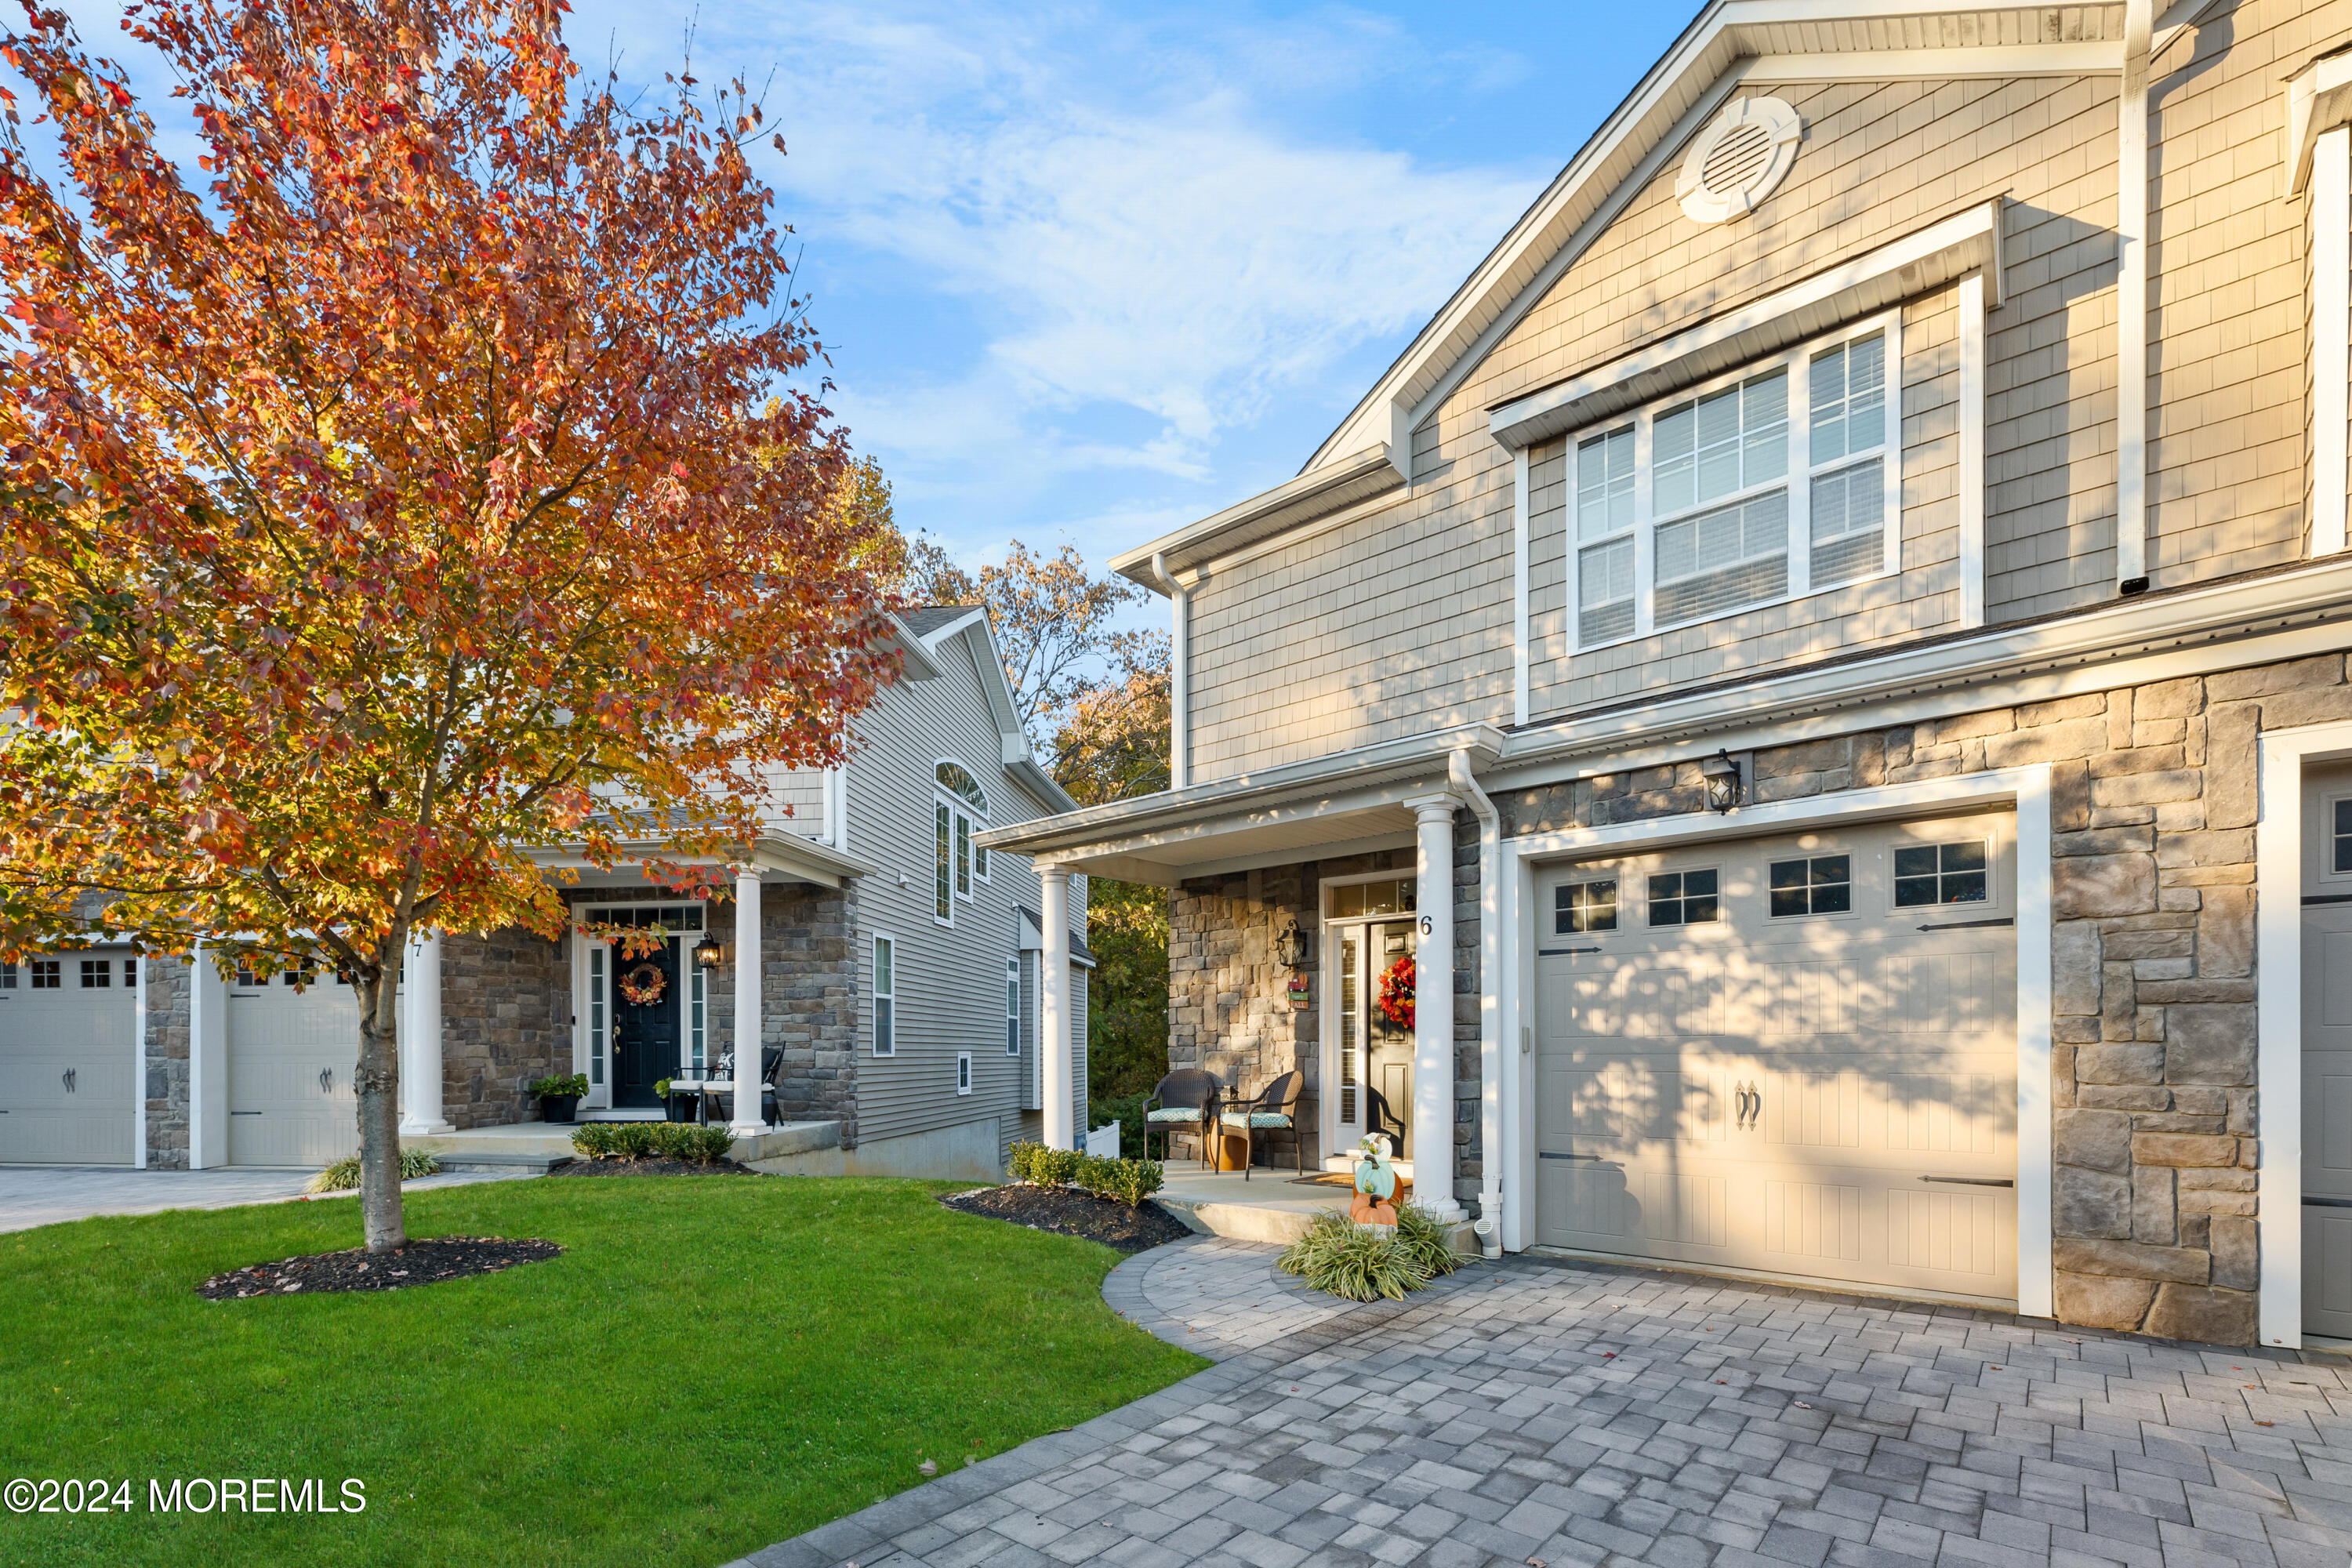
(1290, 947)
(707, 952)
(1725, 786)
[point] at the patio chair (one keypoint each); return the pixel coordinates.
(1184, 1098)
(1380, 1117)
(772, 1072)
(1276, 1106)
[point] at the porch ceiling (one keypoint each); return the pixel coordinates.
(778, 857)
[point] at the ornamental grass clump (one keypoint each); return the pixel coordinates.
(1361, 1263)
(343, 1175)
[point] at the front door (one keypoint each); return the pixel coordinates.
(1388, 1043)
(644, 1024)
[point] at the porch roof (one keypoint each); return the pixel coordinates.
(776, 857)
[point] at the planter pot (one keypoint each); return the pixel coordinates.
(558, 1108)
(680, 1107)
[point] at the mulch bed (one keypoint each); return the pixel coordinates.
(658, 1167)
(1066, 1211)
(419, 1263)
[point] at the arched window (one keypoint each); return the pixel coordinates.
(958, 811)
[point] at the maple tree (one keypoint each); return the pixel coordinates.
(413, 492)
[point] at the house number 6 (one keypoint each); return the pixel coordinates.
(1427, 925)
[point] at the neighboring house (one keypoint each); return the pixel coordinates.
(1835, 633)
(898, 972)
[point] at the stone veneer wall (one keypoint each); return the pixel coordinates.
(1229, 1001)
(166, 1088)
(2153, 1066)
(808, 991)
(506, 1004)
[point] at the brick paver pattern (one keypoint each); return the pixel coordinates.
(1523, 1412)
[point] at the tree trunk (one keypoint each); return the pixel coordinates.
(378, 1090)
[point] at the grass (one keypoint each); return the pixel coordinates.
(714, 1364)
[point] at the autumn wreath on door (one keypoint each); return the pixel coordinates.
(1396, 992)
(643, 986)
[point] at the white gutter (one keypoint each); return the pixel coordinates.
(2131, 303)
(1180, 675)
(139, 1068)
(1490, 1045)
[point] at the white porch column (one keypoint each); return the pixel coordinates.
(1054, 1009)
(1433, 1013)
(420, 1039)
(749, 1035)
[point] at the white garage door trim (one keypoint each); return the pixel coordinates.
(2278, 1017)
(2027, 788)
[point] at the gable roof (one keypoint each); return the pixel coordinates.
(939, 625)
(925, 619)
(1730, 44)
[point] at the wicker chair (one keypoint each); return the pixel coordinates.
(1276, 1106)
(1185, 1098)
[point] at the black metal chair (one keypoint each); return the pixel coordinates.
(772, 1073)
(1275, 1107)
(1381, 1118)
(1186, 1098)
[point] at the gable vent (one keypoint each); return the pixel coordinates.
(1738, 159)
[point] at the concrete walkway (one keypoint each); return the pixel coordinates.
(1529, 1412)
(51, 1195)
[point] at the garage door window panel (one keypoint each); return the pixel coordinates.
(1685, 898)
(1931, 874)
(1580, 908)
(48, 974)
(1817, 885)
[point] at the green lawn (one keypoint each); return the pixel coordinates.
(594, 1409)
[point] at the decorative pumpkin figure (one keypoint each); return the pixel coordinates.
(1396, 992)
(1376, 1186)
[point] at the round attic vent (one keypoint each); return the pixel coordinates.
(1738, 160)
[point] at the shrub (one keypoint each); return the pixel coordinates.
(652, 1140)
(562, 1083)
(1042, 1167)
(1128, 1182)
(343, 1175)
(1338, 1257)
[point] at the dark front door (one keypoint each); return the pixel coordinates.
(644, 1027)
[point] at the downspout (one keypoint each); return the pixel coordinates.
(1180, 675)
(1490, 1227)
(2131, 302)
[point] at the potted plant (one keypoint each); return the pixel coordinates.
(558, 1095)
(676, 1106)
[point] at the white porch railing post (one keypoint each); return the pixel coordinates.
(420, 1039)
(1432, 1015)
(747, 1031)
(1054, 1008)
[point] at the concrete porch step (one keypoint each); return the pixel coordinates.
(539, 1162)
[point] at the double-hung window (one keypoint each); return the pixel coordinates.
(1013, 1007)
(885, 996)
(958, 811)
(1771, 485)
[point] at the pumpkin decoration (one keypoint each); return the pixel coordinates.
(643, 985)
(1396, 992)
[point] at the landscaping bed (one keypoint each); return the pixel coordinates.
(419, 1263)
(1066, 1211)
(652, 1167)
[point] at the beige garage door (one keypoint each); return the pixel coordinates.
(2328, 1053)
(1796, 1055)
(291, 1055)
(68, 1059)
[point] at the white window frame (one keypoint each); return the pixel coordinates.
(967, 818)
(1012, 1006)
(1796, 361)
(942, 859)
(878, 993)
(964, 1072)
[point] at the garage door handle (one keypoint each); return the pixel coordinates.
(1557, 951)
(2307, 1203)
(326, 1080)
(1750, 1102)
(68, 1079)
(1972, 925)
(1972, 1181)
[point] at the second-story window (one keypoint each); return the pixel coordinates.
(1766, 487)
(960, 810)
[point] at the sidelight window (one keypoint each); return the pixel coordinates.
(1765, 488)
(886, 998)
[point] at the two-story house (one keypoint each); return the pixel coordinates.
(892, 963)
(1822, 669)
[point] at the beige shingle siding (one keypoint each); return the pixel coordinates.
(2228, 450)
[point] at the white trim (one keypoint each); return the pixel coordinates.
(2131, 297)
(1966, 63)
(876, 993)
(1520, 651)
(964, 1072)
(2318, 99)
(1972, 450)
(2278, 1017)
(2027, 787)
(2331, 335)
(1179, 673)
(1821, 306)
(138, 1065)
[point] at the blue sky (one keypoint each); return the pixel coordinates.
(1087, 273)
(1091, 273)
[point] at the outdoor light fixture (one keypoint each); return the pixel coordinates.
(1290, 947)
(707, 952)
(1725, 787)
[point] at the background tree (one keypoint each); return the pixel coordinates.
(413, 494)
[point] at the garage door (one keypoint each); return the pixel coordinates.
(291, 1055)
(68, 1059)
(1796, 1055)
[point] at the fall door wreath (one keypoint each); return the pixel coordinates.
(643, 985)
(1395, 1001)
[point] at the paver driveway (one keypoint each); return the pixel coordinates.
(1573, 1415)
